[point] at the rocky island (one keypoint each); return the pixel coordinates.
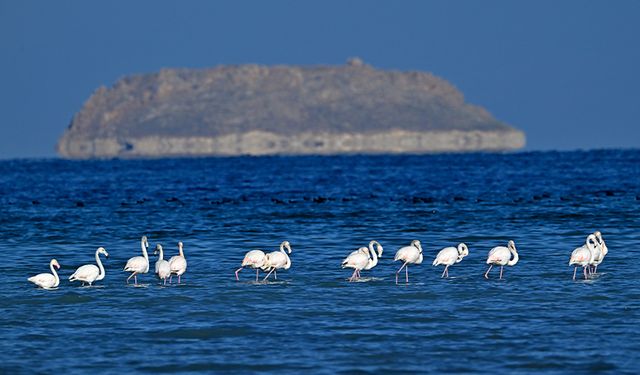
(264, 110)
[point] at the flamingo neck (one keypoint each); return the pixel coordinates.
(161, 256)
(144, 251)
(180, 250)
(515, 259)
(100, 267)
(373, 254)
(55, 274)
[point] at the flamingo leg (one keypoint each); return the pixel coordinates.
(178, 279)
(130, 276)
(353, 276)
(238, 270)
(501, 267)
(269, 274)
(170, 278)
(257, 271)
(575, 269)
(444, 272)
(403, 265)
(585, 272)
(275, 274)
(135, 279)
(486, 275)
(595, 269)
(406, 272)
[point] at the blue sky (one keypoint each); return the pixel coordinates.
(565, 72)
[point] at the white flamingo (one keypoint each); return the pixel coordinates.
(47, 280)
(450, 256)
(90, 272)
(139, 264)
(373, 256)
(178, 264)
(501, 256)
(358, 260)
(163, 269)
(254, 259)
(603, 249)
(411, 254)
(583, 255)
(276, 260)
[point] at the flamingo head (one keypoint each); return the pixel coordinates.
(512, 245)
(287, 246)
(101, 250)
(180, 245)
(266, 264)
(416, 244)
(145, 242)
(158, 249)
(55, 263)
(598, 236)
(463, 250)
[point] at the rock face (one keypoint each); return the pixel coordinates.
(259, 110)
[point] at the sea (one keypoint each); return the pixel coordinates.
(312, 319)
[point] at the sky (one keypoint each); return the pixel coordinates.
(567, 73)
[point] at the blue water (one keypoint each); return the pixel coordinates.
(312, 320)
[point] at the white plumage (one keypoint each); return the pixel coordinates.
(357, 260)
(583, 256)
(178, 264)
(411, 254)
(276, 260)
(254, 259)
(90, 272)
(501, 256)
(139, 264)
(450, 256)
(163, 269)
(47, 280)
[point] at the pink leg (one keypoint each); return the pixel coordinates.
(238, 270)
(178, 279)
(130, 276)
(585, 272)
(575, 269)
(501, 267)
(257, 270)
(486, 275)
(595, 269)
(406, 272)
(444, 272)
(399, 272)
(170, 278)
(275, 274)
(135, 279)
(353, 276)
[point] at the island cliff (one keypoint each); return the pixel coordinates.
(260, 110)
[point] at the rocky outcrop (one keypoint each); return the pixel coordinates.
(259, 110)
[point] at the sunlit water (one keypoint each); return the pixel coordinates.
(312, 320)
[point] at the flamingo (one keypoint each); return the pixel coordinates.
(501, 256)
(277, 260)
(373, 256)
(47, 280)
(163, 269)
(254, 259)
(603, 249)
(583, 255)
(411, 254)
(178, 264)
(89, 272)
(358, 260)
(450, 256)
(139, 264)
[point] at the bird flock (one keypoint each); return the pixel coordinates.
(90, 273)
(588, 256)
